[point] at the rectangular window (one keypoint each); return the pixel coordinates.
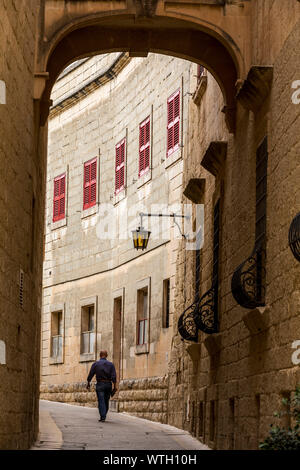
(87, 329)
(142, 316)
(201, 419)
(261, 192)
(200, 71)
(56, 334)
(120, 166)
(231, 424)
(166, 303)
(173, 127)
(212, 420)
(90, 184)
(144, 147)
(21, 288)
(59, 197)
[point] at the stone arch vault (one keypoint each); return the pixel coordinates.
(210, 32)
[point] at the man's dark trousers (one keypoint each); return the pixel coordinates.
(103, 390)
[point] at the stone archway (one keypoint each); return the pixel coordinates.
(208, 33)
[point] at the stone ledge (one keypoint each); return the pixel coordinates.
(142, 395)
(256, 87)
(255, 320)
(193, 351)
(215, 157)
(144, 383)
(194, 190)
(213, 343)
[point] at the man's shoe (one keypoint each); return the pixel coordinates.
(102, 419)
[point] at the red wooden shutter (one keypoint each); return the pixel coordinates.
(173, 126)
(120, 166)
(59, 197)
(90, 184)
(144, 147)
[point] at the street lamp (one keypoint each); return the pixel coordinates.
(140, 236)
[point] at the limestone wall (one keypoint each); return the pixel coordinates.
(79, 264)
(22, 176)
(250, 371)
(146, 398)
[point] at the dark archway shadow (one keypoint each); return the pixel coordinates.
(185, 42)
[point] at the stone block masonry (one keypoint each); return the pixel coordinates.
(22, 172)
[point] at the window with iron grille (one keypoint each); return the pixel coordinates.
(173, 126)
(216, 243)
(261, 193)
(120, 166)
(59, 197)
(21, 288)
(248, 284)
(144, 147)
(90, 183)
(142, 316)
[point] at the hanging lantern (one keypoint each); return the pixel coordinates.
(140, 238)
(294, 236)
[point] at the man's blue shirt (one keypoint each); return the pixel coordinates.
(104, 370)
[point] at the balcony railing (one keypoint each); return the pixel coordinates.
(248, 280)
(56, 346)
(87, 342)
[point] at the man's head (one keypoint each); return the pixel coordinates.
(103, 353)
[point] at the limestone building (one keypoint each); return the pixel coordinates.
(233, 343)
(117, 138)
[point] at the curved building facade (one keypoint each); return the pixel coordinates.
(117, 139)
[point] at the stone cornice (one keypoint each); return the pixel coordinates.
(98, 81)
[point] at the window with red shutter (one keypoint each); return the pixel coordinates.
(59, 197)
(144, 147)
(90, 184)
(173, 127)
(120, 166)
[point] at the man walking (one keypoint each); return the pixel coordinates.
(106, 376)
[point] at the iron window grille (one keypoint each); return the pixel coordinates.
(248, 280)
(202, 314)
(206, 318)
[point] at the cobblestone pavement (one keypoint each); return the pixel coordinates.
(71, 427)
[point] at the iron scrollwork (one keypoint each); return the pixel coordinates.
(186, 324)
(206, 313)
(201, 315)
(294, 237)
(248, 280)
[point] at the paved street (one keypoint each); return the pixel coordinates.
(71, 427)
